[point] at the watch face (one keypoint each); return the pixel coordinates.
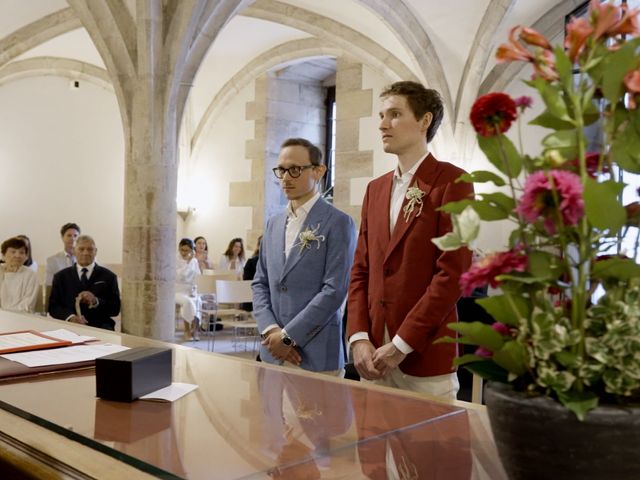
(286, 341)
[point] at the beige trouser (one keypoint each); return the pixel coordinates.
(445, 386)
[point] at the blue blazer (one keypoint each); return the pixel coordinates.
(304, 293)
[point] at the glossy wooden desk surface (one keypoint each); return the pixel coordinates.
(249, 420)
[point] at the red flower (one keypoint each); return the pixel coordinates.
(486, 270)
(523, 102)
(578, 32)
(552, 195)
(501, 328)
(592, 160)
(483, 352)
(492, 114)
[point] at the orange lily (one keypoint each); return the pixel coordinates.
(578, 32)
(604, 17)
(535, 38)
(514, 50)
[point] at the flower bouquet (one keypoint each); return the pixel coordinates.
(572, 234)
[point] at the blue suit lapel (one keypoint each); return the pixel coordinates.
(317, 217)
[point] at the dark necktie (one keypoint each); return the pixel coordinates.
(84, 280)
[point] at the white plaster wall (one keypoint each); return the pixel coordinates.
(204, 182)
(62, 160)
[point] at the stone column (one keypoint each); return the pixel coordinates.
(152, 56)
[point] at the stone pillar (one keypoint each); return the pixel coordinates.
(152, 56)
(352, 103)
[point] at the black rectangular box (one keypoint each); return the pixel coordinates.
(125, 376)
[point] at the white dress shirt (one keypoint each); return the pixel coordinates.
(401, 182)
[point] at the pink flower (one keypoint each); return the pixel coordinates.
(578, 32)
(486, 270)
(592, 161)
(555, 195)
(523, 102)
(492, 114)
(483, 352)
(501, 328)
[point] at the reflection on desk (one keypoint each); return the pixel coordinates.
(251, 420)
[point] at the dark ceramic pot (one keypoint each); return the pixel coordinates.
(537, 438)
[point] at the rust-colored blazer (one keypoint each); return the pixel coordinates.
(401, 279)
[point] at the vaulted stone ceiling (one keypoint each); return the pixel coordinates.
(449, 45)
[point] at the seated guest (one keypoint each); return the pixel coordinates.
(92, 287)
(69, 234)
(233, 258)
(202, 254)
(186, 295)
(18, 284)
(29, 262)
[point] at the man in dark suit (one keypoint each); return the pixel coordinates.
(94, 289)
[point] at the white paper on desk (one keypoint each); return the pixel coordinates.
(63, 334)
(171, 393)
(24, 339)
(60, 356)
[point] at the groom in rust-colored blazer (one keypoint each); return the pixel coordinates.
(403, 289)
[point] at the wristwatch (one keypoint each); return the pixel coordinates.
(287, 340)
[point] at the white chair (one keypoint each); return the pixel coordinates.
(233, 293)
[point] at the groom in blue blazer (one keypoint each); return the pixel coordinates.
(302, 275)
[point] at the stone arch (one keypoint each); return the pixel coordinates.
(403, 23)
(279, 55)
(37, 33)
(64, 67)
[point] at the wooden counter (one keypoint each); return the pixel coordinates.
(246, 420)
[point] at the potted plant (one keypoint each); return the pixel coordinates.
(564, 353)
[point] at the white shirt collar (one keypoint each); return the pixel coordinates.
(306, 206)
(88, 267)
(410, 173)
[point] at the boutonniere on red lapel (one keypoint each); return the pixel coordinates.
(308, 237)
(414, 195)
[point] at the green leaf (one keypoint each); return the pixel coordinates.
(626, 148)
(501, 308)
(602, 206)
(489, 211)
(501, 152)
(500, 200)
(512, 357)
(448, 242)
(455, 207)
(567, 359)
(521, 278)
(578, 402)
(563, 66)
(478, 333)
(543, 265)
(620, 268)
(565, 141)
(469, 357)
(616, 66)
(488, 370)
(547, 120)
(481, 176)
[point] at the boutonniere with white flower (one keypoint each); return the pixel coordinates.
(308, 237)
(414, 195)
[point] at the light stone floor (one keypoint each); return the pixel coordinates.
(224, 343)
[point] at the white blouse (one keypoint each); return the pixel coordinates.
(19, 290)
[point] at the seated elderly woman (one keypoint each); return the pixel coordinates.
(18, 284)
(186, 296)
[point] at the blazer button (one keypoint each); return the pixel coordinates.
(283, 288)
(387, 272)
(382, 302)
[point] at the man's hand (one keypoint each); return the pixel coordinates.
(279, 350)
(78, 319)
(387, 358)
(89, 298)
(362, 352)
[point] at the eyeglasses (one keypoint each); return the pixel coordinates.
(294, 172)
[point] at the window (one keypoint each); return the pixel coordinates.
(330, 143)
